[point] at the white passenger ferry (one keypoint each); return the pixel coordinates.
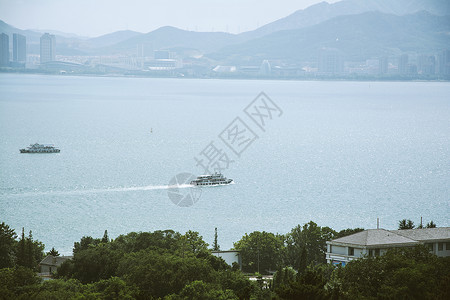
(40, 148)
(213, 179)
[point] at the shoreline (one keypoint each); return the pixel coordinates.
(232, 77)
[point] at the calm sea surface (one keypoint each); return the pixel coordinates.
(341, 154)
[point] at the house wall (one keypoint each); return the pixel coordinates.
(47, 269)
(340, 254)
(229, 257)
(338, 249)
(359, 252)
(50, 263)
(445, 249)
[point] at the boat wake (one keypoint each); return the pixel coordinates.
(104, 190)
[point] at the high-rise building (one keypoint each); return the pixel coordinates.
(383, 65)
(4, 50)
(48, 48)
(265, 69)
(444, 63)
(19, 48)
(426, 64)
(330, 62)
(403, 64)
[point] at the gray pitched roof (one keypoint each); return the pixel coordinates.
(56, 261)
(383, 237)
(426, 234)
(375, 237)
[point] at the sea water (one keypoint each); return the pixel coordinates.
(339, 153)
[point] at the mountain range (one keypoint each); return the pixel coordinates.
(324, 11)
(358, 28)
(356, 37)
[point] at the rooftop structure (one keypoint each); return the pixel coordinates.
(374, 242)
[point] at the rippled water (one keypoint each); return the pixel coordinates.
(341, 154)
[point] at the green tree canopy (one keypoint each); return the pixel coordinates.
(405, 224)
(199, 290)
(158, 264)
(310, 238)
(283, 278)
(29, 252)
(195, 242)
(401, 273)
(260, 251)
(53, 252)
(14, 280)
(216, 246)
(160, 274)
(347, 232)
(431, 224)
(7, 246)
(105, 238)
(92, 264)
(307, 285)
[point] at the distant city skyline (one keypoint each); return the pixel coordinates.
(95, 18)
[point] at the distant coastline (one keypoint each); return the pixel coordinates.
(232, 77)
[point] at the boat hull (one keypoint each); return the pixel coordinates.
(38, 148)
(226, 182)
(31, 151)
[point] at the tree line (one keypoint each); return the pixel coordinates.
(265, 252)
(170, 265)
(25, 252)
(304, 245)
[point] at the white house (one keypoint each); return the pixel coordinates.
(229, 256)
(374, 242)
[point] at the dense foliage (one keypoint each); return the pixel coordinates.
(260, 251)
(402, 273)
(169, 265)
(408, 224)
(25, 252)
(265, 252)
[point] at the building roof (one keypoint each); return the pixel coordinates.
(372, 238)
(425, 234)
(50, 260)
(375, 237)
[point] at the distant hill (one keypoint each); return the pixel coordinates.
(341, 25)
(112, 38)
(66, 43)
(60, 33)
(324, 11)
(171, 37)
(357, 37)
(32, 37)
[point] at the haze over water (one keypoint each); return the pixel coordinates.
(342, 154)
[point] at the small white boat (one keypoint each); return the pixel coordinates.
(213, 179)
(40, 148)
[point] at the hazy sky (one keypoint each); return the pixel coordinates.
(97, 17)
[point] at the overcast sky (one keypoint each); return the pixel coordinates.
(97, 17)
